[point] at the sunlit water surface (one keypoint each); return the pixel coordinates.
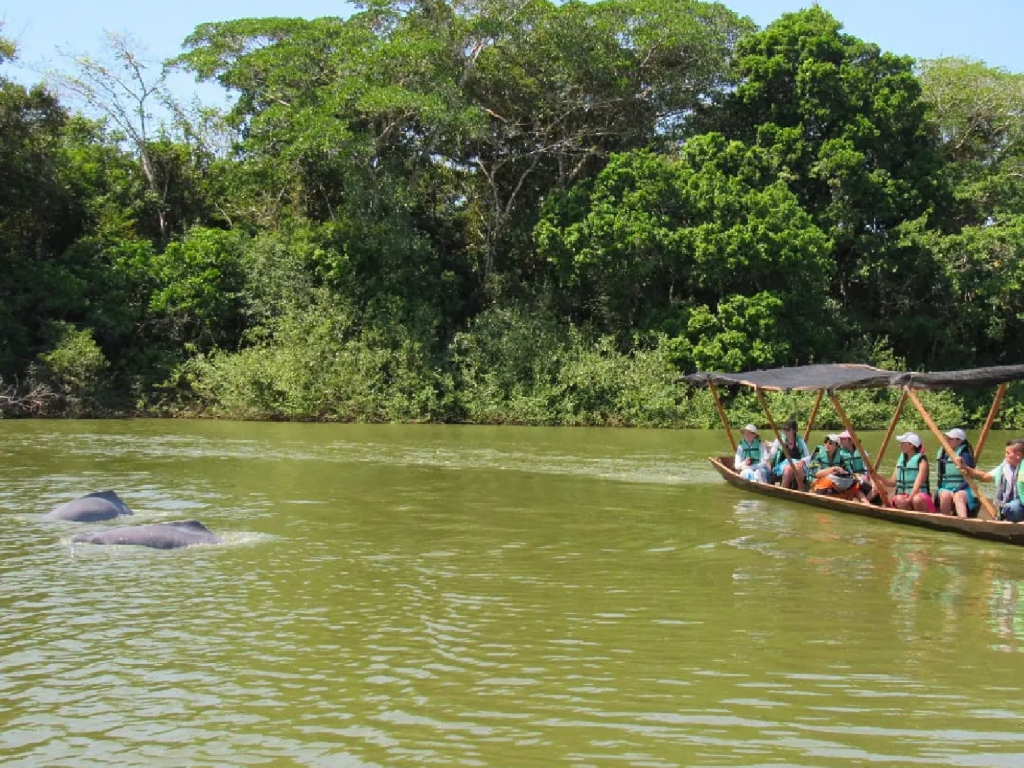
(465, 596)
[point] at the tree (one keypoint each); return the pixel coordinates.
(124, 89)
(709, 246)
(978, 114)
(847, 128)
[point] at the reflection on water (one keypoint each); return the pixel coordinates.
(393, 596)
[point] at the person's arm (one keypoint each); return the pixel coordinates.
(985, 477)
(968, 459)
(738, 461)
(922, 473)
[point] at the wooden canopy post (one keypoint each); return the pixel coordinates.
(778, 438)
(814, 415)
(892, 428)
(722, 416)
(996, 402)
(872, 472)
(989, 509)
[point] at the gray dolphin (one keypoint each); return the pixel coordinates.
(159, 535)
(101, 505)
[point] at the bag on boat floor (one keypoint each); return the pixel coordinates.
(843, 486)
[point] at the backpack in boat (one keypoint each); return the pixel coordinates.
(843, 486)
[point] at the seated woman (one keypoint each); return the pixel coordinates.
(954, 495)
(830, 474)
(788, 465)
(748, 456)
(857, 465)
(910, 479)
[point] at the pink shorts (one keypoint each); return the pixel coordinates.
(929, 503)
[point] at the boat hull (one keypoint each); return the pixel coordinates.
(1009, 533)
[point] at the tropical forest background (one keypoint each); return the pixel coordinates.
(512, 211)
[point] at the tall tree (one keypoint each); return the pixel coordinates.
(847, 126)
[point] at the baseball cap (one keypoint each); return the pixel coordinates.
(957, 433)
(751, 428)
(909, 437)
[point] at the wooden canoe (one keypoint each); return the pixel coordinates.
(1009, 533)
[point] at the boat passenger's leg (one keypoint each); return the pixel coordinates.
(963, 503)
(1014, 511)
(945, 501)
(922, 502)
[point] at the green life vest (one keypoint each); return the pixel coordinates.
(820, 459)
(906, 474)
(950, 477)
(854, 461)
(751, 450)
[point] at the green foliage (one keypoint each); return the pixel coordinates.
(679, 245)
(848, 130)
(518, 365)
(318, 364)
(199, 278)
(74, 369)
(978, 113)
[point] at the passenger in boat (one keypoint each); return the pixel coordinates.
(954, 495)
(748, 456)
(910, 479)
(789, 474)
(1008, 485)
(857, 464)
(830, 474)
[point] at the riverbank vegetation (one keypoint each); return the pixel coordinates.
(516, 212)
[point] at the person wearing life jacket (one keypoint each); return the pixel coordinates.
(789, 471)
(953, 495)
(748, 456)
(1007, 476)
(829, 472)
(909, 481)
(858, 466)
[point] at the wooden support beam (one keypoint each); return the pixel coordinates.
(875, 478)
(722, 416)
(814, 415)
(892, 428)
(992, 412)
(990, 510)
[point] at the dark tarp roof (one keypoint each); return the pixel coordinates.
(854, 376)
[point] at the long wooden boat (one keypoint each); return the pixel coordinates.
(827, 380)
(993, 530)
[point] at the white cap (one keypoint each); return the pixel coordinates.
(958, 433)
(910, 437)
(833, 439)
(751, 428)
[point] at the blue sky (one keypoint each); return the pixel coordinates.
(986, 30)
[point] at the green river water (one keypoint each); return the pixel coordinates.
(472, 596)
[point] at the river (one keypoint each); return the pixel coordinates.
(474, 596)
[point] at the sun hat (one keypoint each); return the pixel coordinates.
(909, 437)
(958, 433)
(751, 428)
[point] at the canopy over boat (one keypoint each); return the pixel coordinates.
(831, 377)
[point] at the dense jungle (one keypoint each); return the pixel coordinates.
(513, 212)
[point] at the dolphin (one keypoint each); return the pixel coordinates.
(101, 505)
(159, 535)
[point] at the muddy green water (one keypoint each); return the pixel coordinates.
(466, 596)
